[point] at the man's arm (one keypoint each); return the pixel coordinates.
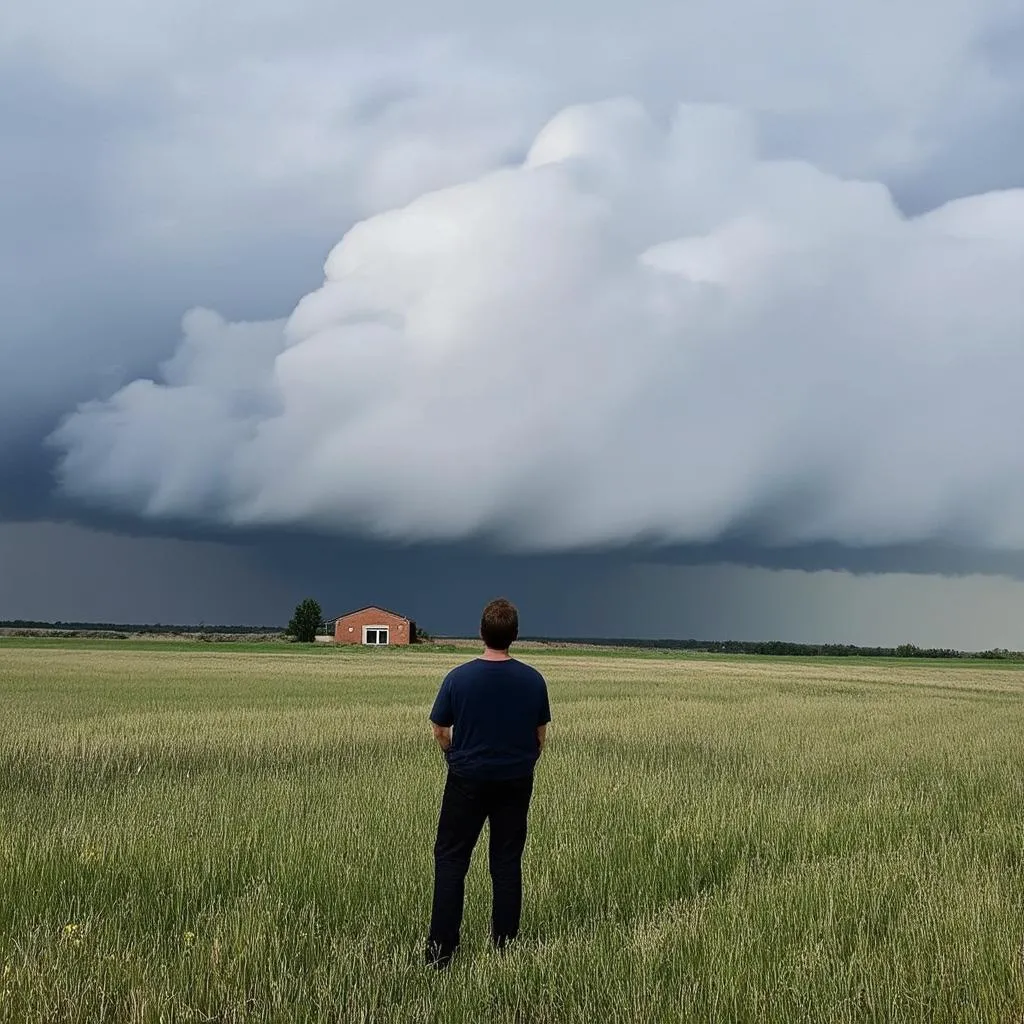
(543, 715)
(442, 712)
(443, 735)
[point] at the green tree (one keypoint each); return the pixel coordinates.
(306, 621)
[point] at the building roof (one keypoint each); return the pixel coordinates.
(369, 607)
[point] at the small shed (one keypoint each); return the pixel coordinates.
(375, 627)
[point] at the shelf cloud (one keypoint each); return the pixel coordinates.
(648, 327)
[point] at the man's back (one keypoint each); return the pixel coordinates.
(490, 719)
(495, 708)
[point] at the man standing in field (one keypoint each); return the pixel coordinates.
(490, 719)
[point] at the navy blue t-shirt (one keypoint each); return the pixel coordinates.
(495, 708)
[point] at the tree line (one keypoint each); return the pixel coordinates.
(133, 627)
(790, 649)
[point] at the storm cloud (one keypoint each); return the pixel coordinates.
(697, 283)
(637, 332)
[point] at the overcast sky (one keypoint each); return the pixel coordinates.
(666, 319)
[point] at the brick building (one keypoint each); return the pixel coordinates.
(375, 627)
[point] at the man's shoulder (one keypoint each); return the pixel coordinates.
(528, 671)
(466, 669)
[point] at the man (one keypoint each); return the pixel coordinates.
(490, 719)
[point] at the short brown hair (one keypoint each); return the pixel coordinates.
(499, 625)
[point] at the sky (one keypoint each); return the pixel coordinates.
(663, 320)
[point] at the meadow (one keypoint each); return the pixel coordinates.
(243, 834)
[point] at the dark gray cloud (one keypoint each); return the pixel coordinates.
(63, 571)
(51, 572)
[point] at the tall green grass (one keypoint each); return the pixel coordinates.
(246, 836)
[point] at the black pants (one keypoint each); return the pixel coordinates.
(465, 806)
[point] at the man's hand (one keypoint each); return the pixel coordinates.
(443, 735)
(542, 735)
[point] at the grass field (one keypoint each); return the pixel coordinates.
(245, 835)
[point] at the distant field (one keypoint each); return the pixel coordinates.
(243, 833)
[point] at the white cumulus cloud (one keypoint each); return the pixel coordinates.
(641, 331)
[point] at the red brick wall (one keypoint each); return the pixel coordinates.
(349, 628)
